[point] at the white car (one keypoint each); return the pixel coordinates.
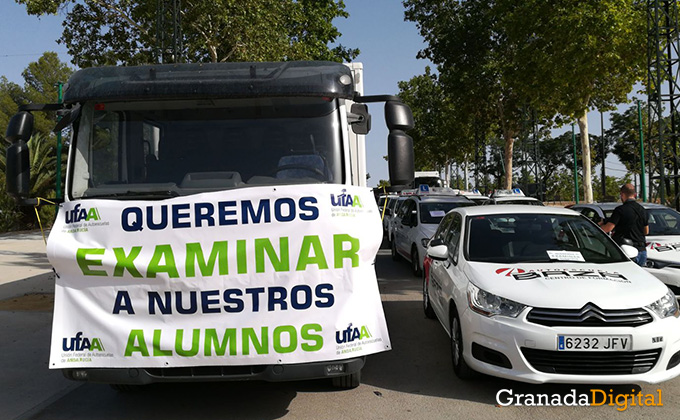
(416, 221)
(541, 294)
(514, 196)
(663, 241)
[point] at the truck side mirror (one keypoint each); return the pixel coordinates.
(18, 165)
(399, 118)
(401, 161)
(360, 119)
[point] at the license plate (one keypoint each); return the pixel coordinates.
(594, 342)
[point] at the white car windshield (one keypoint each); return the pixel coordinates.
(522, 238)
(434, 212)
(663, 222)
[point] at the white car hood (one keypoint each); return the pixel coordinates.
(569, 285)
(664, 248)
(428, 230)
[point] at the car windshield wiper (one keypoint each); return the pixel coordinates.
(136, 194)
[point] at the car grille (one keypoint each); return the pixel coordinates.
(589, 316)
(592, 362)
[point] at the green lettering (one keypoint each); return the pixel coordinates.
(126, 262)
(136, 336)
(309, 243)
(250, 337)
(356, 202)
(241, 257)
(213, 341)
(96, 345)
(162, 252)
(263, 245)
(364, 333)
(195, 256)
(341, 253)
(84, 263)
(316, 338)
(157, 351)
(92, 214)
(179, 341)
(292, 339)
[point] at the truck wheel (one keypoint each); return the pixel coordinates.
(460, 367)
(427, 306)
(348, 381)
(415, 264)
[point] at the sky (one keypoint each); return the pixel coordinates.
(388, 46)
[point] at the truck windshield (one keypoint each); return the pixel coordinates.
(159, 149)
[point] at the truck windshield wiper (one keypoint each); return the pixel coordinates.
(136, 194)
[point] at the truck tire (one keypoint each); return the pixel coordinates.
(350, 381)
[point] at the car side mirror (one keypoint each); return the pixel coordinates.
(438, 252)
(630, 251)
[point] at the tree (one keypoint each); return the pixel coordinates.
(470, 49)
(40, 86)
(572, 58)
(129, 32)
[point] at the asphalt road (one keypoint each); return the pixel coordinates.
(414, 380)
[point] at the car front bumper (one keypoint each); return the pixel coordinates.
(507, 347)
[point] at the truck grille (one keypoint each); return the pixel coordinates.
(593, 362)
(589, 316)
(206, 371)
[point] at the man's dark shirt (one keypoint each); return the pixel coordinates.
(630, 219)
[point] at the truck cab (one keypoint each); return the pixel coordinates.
(180, 154)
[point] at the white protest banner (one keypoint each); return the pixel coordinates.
(265, 275)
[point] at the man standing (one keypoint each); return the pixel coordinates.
(629, 221)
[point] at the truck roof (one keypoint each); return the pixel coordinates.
(211, 80)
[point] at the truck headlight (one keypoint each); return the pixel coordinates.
(488, 304)
(666, 306)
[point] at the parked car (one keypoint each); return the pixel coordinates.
(392, 220)
(474, 195)
(663, 241)
(387, 211)
(514, 196)
(416, 221)
(541, 294)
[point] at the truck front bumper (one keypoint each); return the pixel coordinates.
(268, 373)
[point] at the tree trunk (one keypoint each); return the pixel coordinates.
(466, 183)
(507, 159)
(585, 156)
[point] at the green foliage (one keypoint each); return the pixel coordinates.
(558, 58)
(40, 78)
(440, 136)
(111, 32)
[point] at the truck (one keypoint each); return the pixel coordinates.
(429, 178)
(215, 223)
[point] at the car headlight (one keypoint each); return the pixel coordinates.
(666, 306)
(657, 264)
(488, 304)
